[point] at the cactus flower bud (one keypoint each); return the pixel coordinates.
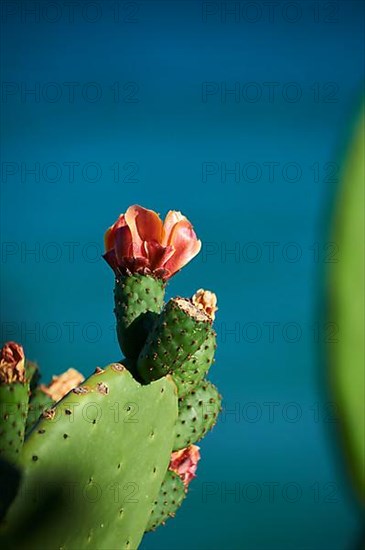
(185, 462)
(206, 301)
(12, 363)
(139, 242)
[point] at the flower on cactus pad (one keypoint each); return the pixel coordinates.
(185, 462)
(12, 363)
(140, 242)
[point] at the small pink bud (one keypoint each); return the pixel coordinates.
(185, 462)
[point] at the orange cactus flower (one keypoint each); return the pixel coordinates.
(140, 242)
(185, 462)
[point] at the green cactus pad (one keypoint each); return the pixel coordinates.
(93, 466)
(177, 334)
(193, 370)
(32, 373)
(138, 300)
(198, 412)
(169, 499)
(13, 414)
(39, 402)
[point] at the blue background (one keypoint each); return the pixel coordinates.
(160, 54)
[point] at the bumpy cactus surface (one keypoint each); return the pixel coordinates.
(196, 366)
(138, 301)
(179, 332)
(109, 458)
(86, 467)
(198, 412)
(169, 499)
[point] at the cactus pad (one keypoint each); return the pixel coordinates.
(39, 402)
(93, 465)
(172, 493)
(32, 373)
(196, 367)
(177, 334)
(14, 397)
(138, 299)
(198, 412)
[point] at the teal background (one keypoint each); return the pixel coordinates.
(59, 303)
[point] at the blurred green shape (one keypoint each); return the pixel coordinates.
(347, 302)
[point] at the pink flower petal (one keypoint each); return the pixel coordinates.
(123, 243)
(145, 225)
(111, 259)
(136, 265)
(157, 254)
(186, 244)
(110, 233)
(172, 218)
(185, 462)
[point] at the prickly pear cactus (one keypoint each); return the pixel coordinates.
(107, 459)
(93, 465)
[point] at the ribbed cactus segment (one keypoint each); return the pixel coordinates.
(198, 412)
(14, 397)
(38, 403)
(194, 369)
(138, 299)
(172, 493)
(93, 466)
(179, 331)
